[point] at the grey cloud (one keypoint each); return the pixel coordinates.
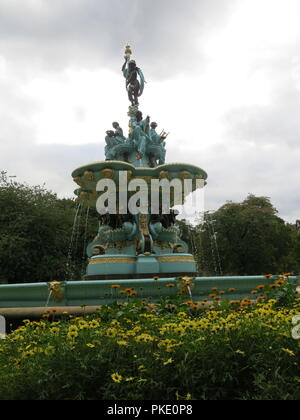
(276, 123)
(166, 35)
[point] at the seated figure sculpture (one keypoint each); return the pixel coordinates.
(139, 135)
(113, 139)
(158, 140)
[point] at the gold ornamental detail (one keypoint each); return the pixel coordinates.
(56, 290)
(176, 258)
(89, 175)
(108, 173)
(112, 260)
(78, 181)
(144, 224)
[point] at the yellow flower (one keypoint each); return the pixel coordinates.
(94, 324)
(146, 338)
(83, 325)
(122, 343)
(168, 362)
(130, 379)
(116, 378)
(289, 352)
(55, 330)
(49, 350)
(73, 328)
(242, 353)
(179, 330)
(72, 334)
(111, 332)
(115, 286)
(91, 346)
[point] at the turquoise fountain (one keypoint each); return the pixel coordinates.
(137, 246)
(142, 242)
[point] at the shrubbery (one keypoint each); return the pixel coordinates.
(170, 351)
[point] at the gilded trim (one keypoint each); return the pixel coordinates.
(176, 258)
(112, 260)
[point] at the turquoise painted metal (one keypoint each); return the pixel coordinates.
(99, 292)
(137, 244)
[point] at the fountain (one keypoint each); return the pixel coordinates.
(146, 243)
(137, 247)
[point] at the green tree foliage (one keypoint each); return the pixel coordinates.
(246, 238)
(35, 233)
(36, 230)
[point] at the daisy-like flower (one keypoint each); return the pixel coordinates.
(280, 282)
(115, 286)
(73, 328)
(116, 378)
(132, 292)
(72, 335)
(91, 346)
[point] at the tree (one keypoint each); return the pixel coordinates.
(35, 234)
(247, 238)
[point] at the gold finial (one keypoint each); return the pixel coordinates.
(128, 51)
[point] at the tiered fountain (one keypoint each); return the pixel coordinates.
(138, 245)
(143, 244)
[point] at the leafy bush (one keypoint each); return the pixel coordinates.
(136, 350)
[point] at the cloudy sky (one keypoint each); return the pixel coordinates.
(223, 76)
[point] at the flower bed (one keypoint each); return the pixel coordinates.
(170, 351)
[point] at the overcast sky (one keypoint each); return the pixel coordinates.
(223, 76)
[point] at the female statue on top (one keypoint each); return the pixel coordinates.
(131, 72)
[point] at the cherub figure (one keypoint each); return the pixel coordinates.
(134, 87)
(158, 140)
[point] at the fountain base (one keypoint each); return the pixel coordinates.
(110, 267)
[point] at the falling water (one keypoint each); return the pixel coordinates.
(214, 246)
(71, 244)
(77, 230)
(217, 248)
(84, 241)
